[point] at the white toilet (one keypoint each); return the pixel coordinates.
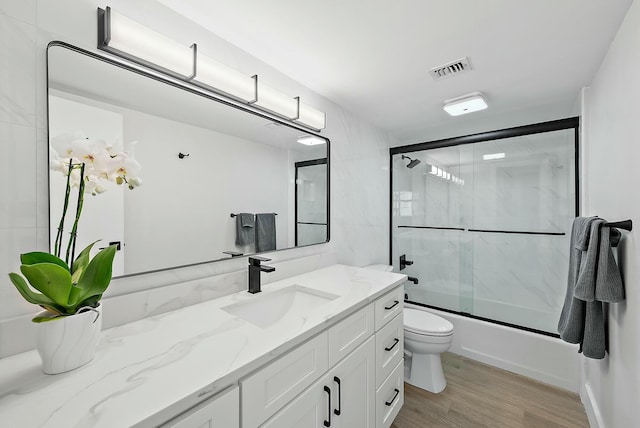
(426, 336)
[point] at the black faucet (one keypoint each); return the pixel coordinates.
(412, 279)
(254, 272)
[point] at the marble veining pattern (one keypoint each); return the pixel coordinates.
(144, 368)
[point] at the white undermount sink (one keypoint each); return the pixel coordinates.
(267, 308)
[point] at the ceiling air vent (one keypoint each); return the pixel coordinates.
(449, 69)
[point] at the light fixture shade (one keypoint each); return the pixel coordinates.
(469, 103)
(311, 117)
(277, 102)
(493, 156)
(127, 38)
(311, 140)
(220, 78)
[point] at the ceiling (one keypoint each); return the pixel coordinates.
(372, 56)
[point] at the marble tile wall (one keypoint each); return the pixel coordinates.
(359, 170)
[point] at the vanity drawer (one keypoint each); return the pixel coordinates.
(388, 306)
(273, 386)
(390, 397)
(349, 333)
(389, 348)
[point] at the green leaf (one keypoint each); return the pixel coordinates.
(39, 257)
(50, 279)
(46, 319)
(96, 278)
(81, 262)
(35, 298)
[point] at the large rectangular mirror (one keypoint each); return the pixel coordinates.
(202, 161)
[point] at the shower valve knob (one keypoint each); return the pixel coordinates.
(404, 262)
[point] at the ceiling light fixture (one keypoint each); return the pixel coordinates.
(469, 103)
(493, 156)
(310, 140)
(126, 38)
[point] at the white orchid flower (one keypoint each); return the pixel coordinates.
(101, 161)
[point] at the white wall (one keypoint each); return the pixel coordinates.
(359, 152)
(611, 388)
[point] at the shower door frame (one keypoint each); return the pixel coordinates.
(518, 131)
(303, 164)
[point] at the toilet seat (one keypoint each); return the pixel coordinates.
(426, 324)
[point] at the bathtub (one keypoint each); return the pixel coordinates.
(543, 358)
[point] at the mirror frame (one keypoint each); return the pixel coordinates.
(185, 86)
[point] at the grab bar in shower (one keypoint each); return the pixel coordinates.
(432, 227)
(462, 229)
(521, 232)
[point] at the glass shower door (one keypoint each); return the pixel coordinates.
(428, 221)
(311, 202)
(487, 225)
(523, 208)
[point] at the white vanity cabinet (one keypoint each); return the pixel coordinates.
(345, 377)
(221, 410)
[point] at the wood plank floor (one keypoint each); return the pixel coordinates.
(478, 395)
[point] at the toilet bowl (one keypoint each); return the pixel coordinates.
(426, 336)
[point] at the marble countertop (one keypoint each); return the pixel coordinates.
(146, 371)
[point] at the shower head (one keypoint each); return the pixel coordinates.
(412, 162)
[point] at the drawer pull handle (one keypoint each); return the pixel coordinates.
(328, 391)
(395, 303)
(388, 403)
(336, 379)
(395, 342)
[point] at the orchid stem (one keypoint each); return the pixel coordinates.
(58, 245)
(71, 248)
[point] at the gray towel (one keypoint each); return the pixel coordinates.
(594, 278)
(585, 287)
(245, 230)
(609, 286)
(571, 324)
(265, 232)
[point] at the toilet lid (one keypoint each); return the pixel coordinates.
(423, 322)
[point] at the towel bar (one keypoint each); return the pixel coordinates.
(235, 215)
(624, 224)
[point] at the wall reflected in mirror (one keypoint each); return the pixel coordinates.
(233, 162)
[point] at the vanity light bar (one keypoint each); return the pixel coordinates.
(215, 76)
(128, 39)
(124, 37)
(311, 117)
(276, 102)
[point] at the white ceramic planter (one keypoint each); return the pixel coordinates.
(69, 342)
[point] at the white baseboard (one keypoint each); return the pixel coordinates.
(591, 407)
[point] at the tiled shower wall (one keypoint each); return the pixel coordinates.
(359, 170)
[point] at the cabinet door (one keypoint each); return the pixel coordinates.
(344, 397)
(353, 381)
(273, 386)
(222, 410)
(311, 409)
